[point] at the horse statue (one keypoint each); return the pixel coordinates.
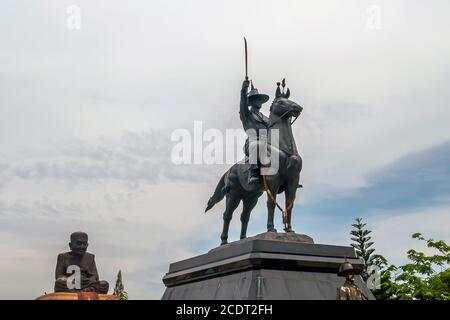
(234, 186)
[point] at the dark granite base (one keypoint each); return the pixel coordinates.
(267, 266)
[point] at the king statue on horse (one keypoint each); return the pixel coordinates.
(271, 163)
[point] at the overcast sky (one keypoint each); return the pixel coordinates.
(86, 117)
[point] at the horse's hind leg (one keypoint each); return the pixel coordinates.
(248, 204)
(232, 202)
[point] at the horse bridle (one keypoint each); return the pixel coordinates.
(281, 117)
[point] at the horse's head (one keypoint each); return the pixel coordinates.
(282, 106)
(286, 108)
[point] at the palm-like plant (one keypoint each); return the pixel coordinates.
(119, 289)
(362, 244)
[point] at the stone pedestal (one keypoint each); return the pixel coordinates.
(267, 266)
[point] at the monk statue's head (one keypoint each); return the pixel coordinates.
(78, 243)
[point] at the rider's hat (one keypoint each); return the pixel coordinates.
(256, 98)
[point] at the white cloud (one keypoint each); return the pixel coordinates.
(392, 230)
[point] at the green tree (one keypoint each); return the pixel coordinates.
(425, 277)
(363, 246)
(119, 289)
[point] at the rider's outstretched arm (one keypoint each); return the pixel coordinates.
(243, 110)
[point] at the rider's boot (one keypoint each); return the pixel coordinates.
(253, 177)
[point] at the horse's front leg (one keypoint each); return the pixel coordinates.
(271, 209)
(290, 193)
(270, 215)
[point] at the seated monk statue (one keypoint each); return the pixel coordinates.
(77, 259)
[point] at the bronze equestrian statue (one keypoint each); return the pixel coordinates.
(236, 184)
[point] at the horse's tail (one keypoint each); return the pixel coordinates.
(219, 193)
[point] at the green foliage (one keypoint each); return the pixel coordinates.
(119, 289)
(425, 277)
(362, 245)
